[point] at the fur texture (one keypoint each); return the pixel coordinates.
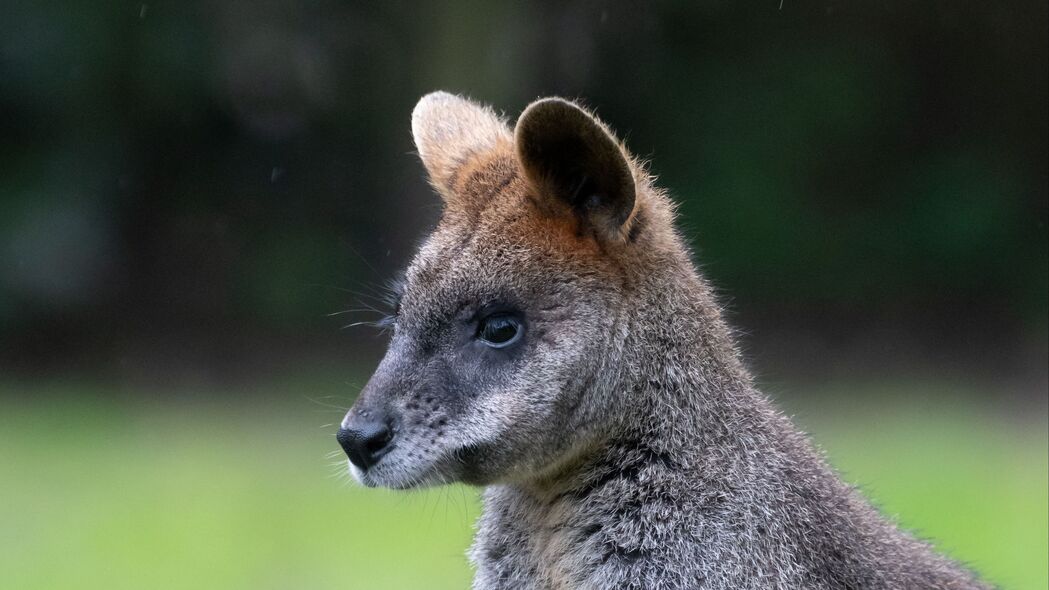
(621, 442)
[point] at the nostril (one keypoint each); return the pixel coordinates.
(365, 443)
(378, 441)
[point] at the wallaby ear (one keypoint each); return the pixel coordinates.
(571, 160)
(448, 129)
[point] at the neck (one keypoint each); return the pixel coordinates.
(682, 389)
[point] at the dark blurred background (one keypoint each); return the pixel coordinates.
(189, 188)
(196, 197)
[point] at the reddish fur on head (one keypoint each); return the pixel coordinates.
(560, 173)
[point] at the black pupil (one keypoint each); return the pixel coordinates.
(499, 330)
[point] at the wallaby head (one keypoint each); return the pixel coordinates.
(510, 320)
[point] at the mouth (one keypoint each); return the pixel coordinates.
(391, 474)
(358, 475)
(411, 470)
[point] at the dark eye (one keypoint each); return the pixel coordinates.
(499, 330)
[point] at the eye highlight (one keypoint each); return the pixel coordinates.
(500, 330)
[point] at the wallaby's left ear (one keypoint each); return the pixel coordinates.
(449, 130)
(572, 160)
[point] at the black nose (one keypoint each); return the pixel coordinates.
(365, 442)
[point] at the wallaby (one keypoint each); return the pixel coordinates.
(553, 341)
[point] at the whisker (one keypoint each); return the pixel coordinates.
(325, 405)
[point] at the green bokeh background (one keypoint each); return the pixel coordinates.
(189, 190)
(201, 493)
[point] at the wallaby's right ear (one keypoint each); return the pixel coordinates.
(448, 130)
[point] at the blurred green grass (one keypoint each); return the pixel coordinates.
(240, 492)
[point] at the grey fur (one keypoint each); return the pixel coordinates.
(624, 444)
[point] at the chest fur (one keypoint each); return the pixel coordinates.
(561, 542)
